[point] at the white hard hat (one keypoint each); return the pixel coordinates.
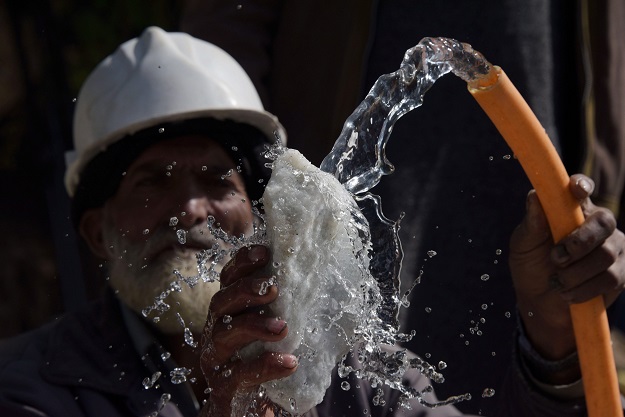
(157, 78)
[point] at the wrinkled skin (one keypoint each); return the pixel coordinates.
(241, 300)
(547, 278)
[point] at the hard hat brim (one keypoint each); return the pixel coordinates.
(264, 121)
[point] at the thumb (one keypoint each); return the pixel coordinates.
(534, 229)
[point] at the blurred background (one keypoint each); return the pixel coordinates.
(48, 47)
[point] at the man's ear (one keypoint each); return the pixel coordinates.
(91, 230)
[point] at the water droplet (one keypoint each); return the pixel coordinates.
(507, 314)
(484, 306)
(146, 231)
(161, 130)
(506, 157)
(227, 174)
(485, 277)
(173, 221)
(182, 236)
(149, 381)
(227, 319)
(431, 253)
(498, 252)
(428, 310)
(188, 337)
(179, 375)
(264, 286)
(530, 314)
(442, 365)
(488, 392)
(165, 356)
(345, 386)
(234, 148)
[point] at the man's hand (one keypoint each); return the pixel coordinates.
(548, 277)
(237, 318)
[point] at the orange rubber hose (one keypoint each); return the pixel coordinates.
(518, 125)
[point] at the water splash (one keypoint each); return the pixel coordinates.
(358, 161)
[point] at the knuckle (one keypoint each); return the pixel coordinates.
(604, 219)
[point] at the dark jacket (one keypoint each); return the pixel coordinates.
(85, 365)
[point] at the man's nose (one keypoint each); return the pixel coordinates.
(195, 208)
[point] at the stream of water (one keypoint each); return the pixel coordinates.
(358, 162)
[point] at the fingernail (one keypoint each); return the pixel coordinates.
(256, 253)
(584, 184)
(275, 326)
(287, 361)
(560, 254)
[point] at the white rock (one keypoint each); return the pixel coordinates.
(321, 265)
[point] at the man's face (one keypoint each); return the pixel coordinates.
(172, 188)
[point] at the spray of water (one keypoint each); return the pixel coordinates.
(358, 162)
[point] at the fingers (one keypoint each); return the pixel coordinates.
(238, 316)
(231, 335)
(227, 379)
(268, 366)
(534, 229)
(601, 271)
(581, 186)
(246, 261)
(598, 226)
(589, 261)
(242, 295)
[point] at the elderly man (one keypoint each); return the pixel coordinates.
(167, 134)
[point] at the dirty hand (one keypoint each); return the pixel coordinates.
(236, 318)
(548, 277)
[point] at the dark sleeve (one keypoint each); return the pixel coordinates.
(520, 398)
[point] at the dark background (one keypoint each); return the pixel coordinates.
(48, 47)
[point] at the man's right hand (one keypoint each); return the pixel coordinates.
(237, 318)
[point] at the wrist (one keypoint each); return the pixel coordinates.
(548, 327)
(563, 370)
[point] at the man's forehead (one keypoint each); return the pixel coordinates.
(185, 150)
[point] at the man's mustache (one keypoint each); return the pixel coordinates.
(196, 238)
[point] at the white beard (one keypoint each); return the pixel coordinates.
(139, 284)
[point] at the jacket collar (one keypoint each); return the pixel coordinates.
(94, 349)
